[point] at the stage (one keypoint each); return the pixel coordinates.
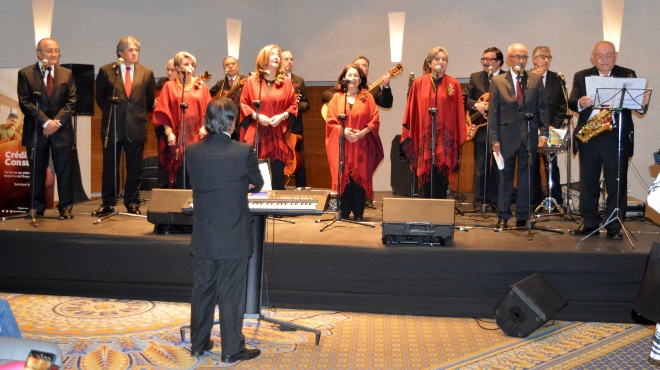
(344, 268)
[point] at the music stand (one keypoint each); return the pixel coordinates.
(623, 103)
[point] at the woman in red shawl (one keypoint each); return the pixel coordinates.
(168, 114)
(434, 89)
(363, 150)
(277, 113)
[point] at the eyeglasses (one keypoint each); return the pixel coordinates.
(50, 51)
(544, 57)
(605, 56)
(488, 59)
(519, 57)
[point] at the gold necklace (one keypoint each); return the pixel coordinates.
(188, 86)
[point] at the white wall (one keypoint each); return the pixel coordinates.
(326, 35)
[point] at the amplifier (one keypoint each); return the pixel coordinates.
(418, 221)
(636, 208)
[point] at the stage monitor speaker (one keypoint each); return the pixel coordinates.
(83, 75)
(528, 305)
(165, 210)
(402, 180)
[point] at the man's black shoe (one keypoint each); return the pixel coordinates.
(614, 234)
(134, 210)
(501, 224)
(583, 230)
(65, 214)
(39, 213)
(244, 355)
(521, 223)
(209, 346)
(103, 211)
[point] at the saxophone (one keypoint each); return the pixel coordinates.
(596, 125)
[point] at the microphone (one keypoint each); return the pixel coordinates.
(411, 76)
(264, 72)
(226, 71)
(118, 63)
(519, 71)
(490, 72)
(44, 65)
(346, 81)
(561, 77)
(189, 70)
(438, 69)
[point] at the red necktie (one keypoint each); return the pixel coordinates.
(128, 82)
(519, 92)
(49, 82)
(231, 82)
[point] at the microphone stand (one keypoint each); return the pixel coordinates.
(531, 224)
(112, 120)
(182, 132)
(340, 170)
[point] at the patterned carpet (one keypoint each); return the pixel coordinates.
(97, 333)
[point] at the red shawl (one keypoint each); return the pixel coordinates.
(451, 130)
(274, 142)
(168, 113)
(362, 157)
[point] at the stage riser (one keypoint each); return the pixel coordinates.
(431, 281)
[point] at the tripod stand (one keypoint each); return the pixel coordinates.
(112, 121)
(340, 164)
(31, 213)
(530, 223)
(616, 214)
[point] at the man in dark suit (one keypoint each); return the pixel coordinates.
(171, 74)
(232, 80)
(477, 86)
(600, 153)
(51, 123)
(132, 87)
(303, 106)
(554, 92)
(508, 131)
(221, 172)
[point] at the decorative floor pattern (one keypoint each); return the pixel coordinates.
(99, 333)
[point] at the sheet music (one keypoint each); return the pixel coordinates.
(606, 91)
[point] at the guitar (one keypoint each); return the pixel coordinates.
(230, 93)
(295, 165)
(474, 119)
(391, 73)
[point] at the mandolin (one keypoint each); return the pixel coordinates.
(474, 120)
(392, 73)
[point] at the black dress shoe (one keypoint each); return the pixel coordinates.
(103, 211)
(358, 218)
(134, 210)
(65, 214)
(521, 223)
(583, 230)
(614, 234)
(501, 224)
(39, 213)
(209, 346)
(244, 355)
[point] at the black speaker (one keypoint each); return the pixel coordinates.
(528, 305)
(165, 211)
(402, 180)
(83, 75)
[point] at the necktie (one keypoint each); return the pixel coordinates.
(231, 82)
(519, 91)
(128, 82)
(49, 82)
